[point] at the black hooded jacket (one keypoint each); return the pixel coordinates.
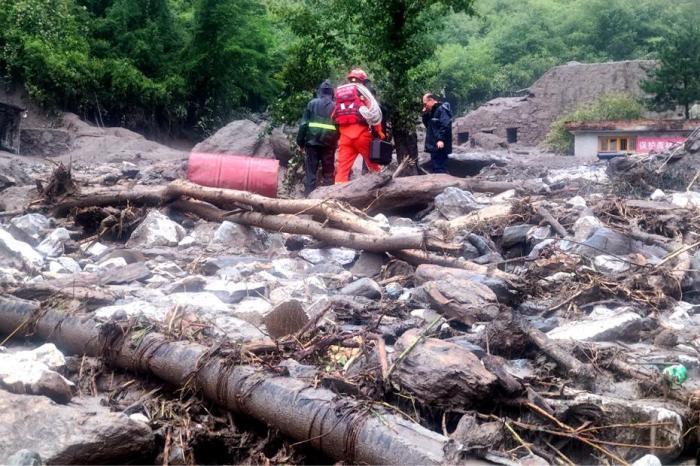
(317, 127)
(438, 125)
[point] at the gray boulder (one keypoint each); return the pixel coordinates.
(454, 202)
(156, 230)
(18, 254)
(29, 228)
(240, 137)
(83, 433)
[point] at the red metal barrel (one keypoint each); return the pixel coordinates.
(234, 172)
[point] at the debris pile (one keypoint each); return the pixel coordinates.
(423, 319)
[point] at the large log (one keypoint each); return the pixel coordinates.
(375, 193)
(341, 428)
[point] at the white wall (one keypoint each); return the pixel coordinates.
(586, 145)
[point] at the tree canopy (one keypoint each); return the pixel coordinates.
(194, 64)
(676, 81)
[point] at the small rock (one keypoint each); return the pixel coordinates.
(186, 242)
(648, 460)
(658, 195)
(253, 310)
(232, 292)
(341, 256)
(188, 283)
(53, 244)
(234, 236)
(139, 417)
(610, 264)
(97, 250)
(156, 230)
(24, 458)
(64, 264)
(604, 240)
(686, 200)
(368, 264)
(577, 202)
(285, 319)
(514, 235)
(363, 287)
(504, 196)
(428, 315)
(585, 226)
(454, 202)
(393, 290)
(666, 338)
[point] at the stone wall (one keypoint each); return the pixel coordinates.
(559, 90)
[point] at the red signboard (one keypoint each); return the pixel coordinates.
(647, 144)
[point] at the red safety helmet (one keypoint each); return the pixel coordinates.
(358, 74)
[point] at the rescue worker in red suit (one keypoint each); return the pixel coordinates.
(357, 114)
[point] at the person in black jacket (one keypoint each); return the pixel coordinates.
(318, 137)
(437, 118)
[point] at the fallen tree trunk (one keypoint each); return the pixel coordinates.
(359, 231)
(296, 225)
(376, 194)
(341, 428)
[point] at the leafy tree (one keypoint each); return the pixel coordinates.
(391, 39)
(606, 107)
(229, 61)
(676, 81)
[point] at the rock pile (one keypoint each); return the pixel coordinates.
(554, 322)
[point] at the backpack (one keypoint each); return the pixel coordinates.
(347, 105)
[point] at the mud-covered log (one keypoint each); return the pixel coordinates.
(583, 373)
(377, 194)
(341, 428)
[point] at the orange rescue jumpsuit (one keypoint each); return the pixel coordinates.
(355, 138)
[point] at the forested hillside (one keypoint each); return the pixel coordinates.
(195, 64)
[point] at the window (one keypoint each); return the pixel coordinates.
(614, 143)
(512, 135)
(462, 137)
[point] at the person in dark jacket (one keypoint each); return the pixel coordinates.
(318, 137)
(437, 118)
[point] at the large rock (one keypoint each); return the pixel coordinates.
(83, 433)
(240, 137)
(156, 230)
(455, 202)
(603, 410)
(606, 241)
(363, 287)
(607, 325)
(428, 272)
(18, 254)
(34, 372)
(442, 374)
(29, 228)
(466, 301)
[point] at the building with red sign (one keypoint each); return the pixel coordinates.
(592, 138)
